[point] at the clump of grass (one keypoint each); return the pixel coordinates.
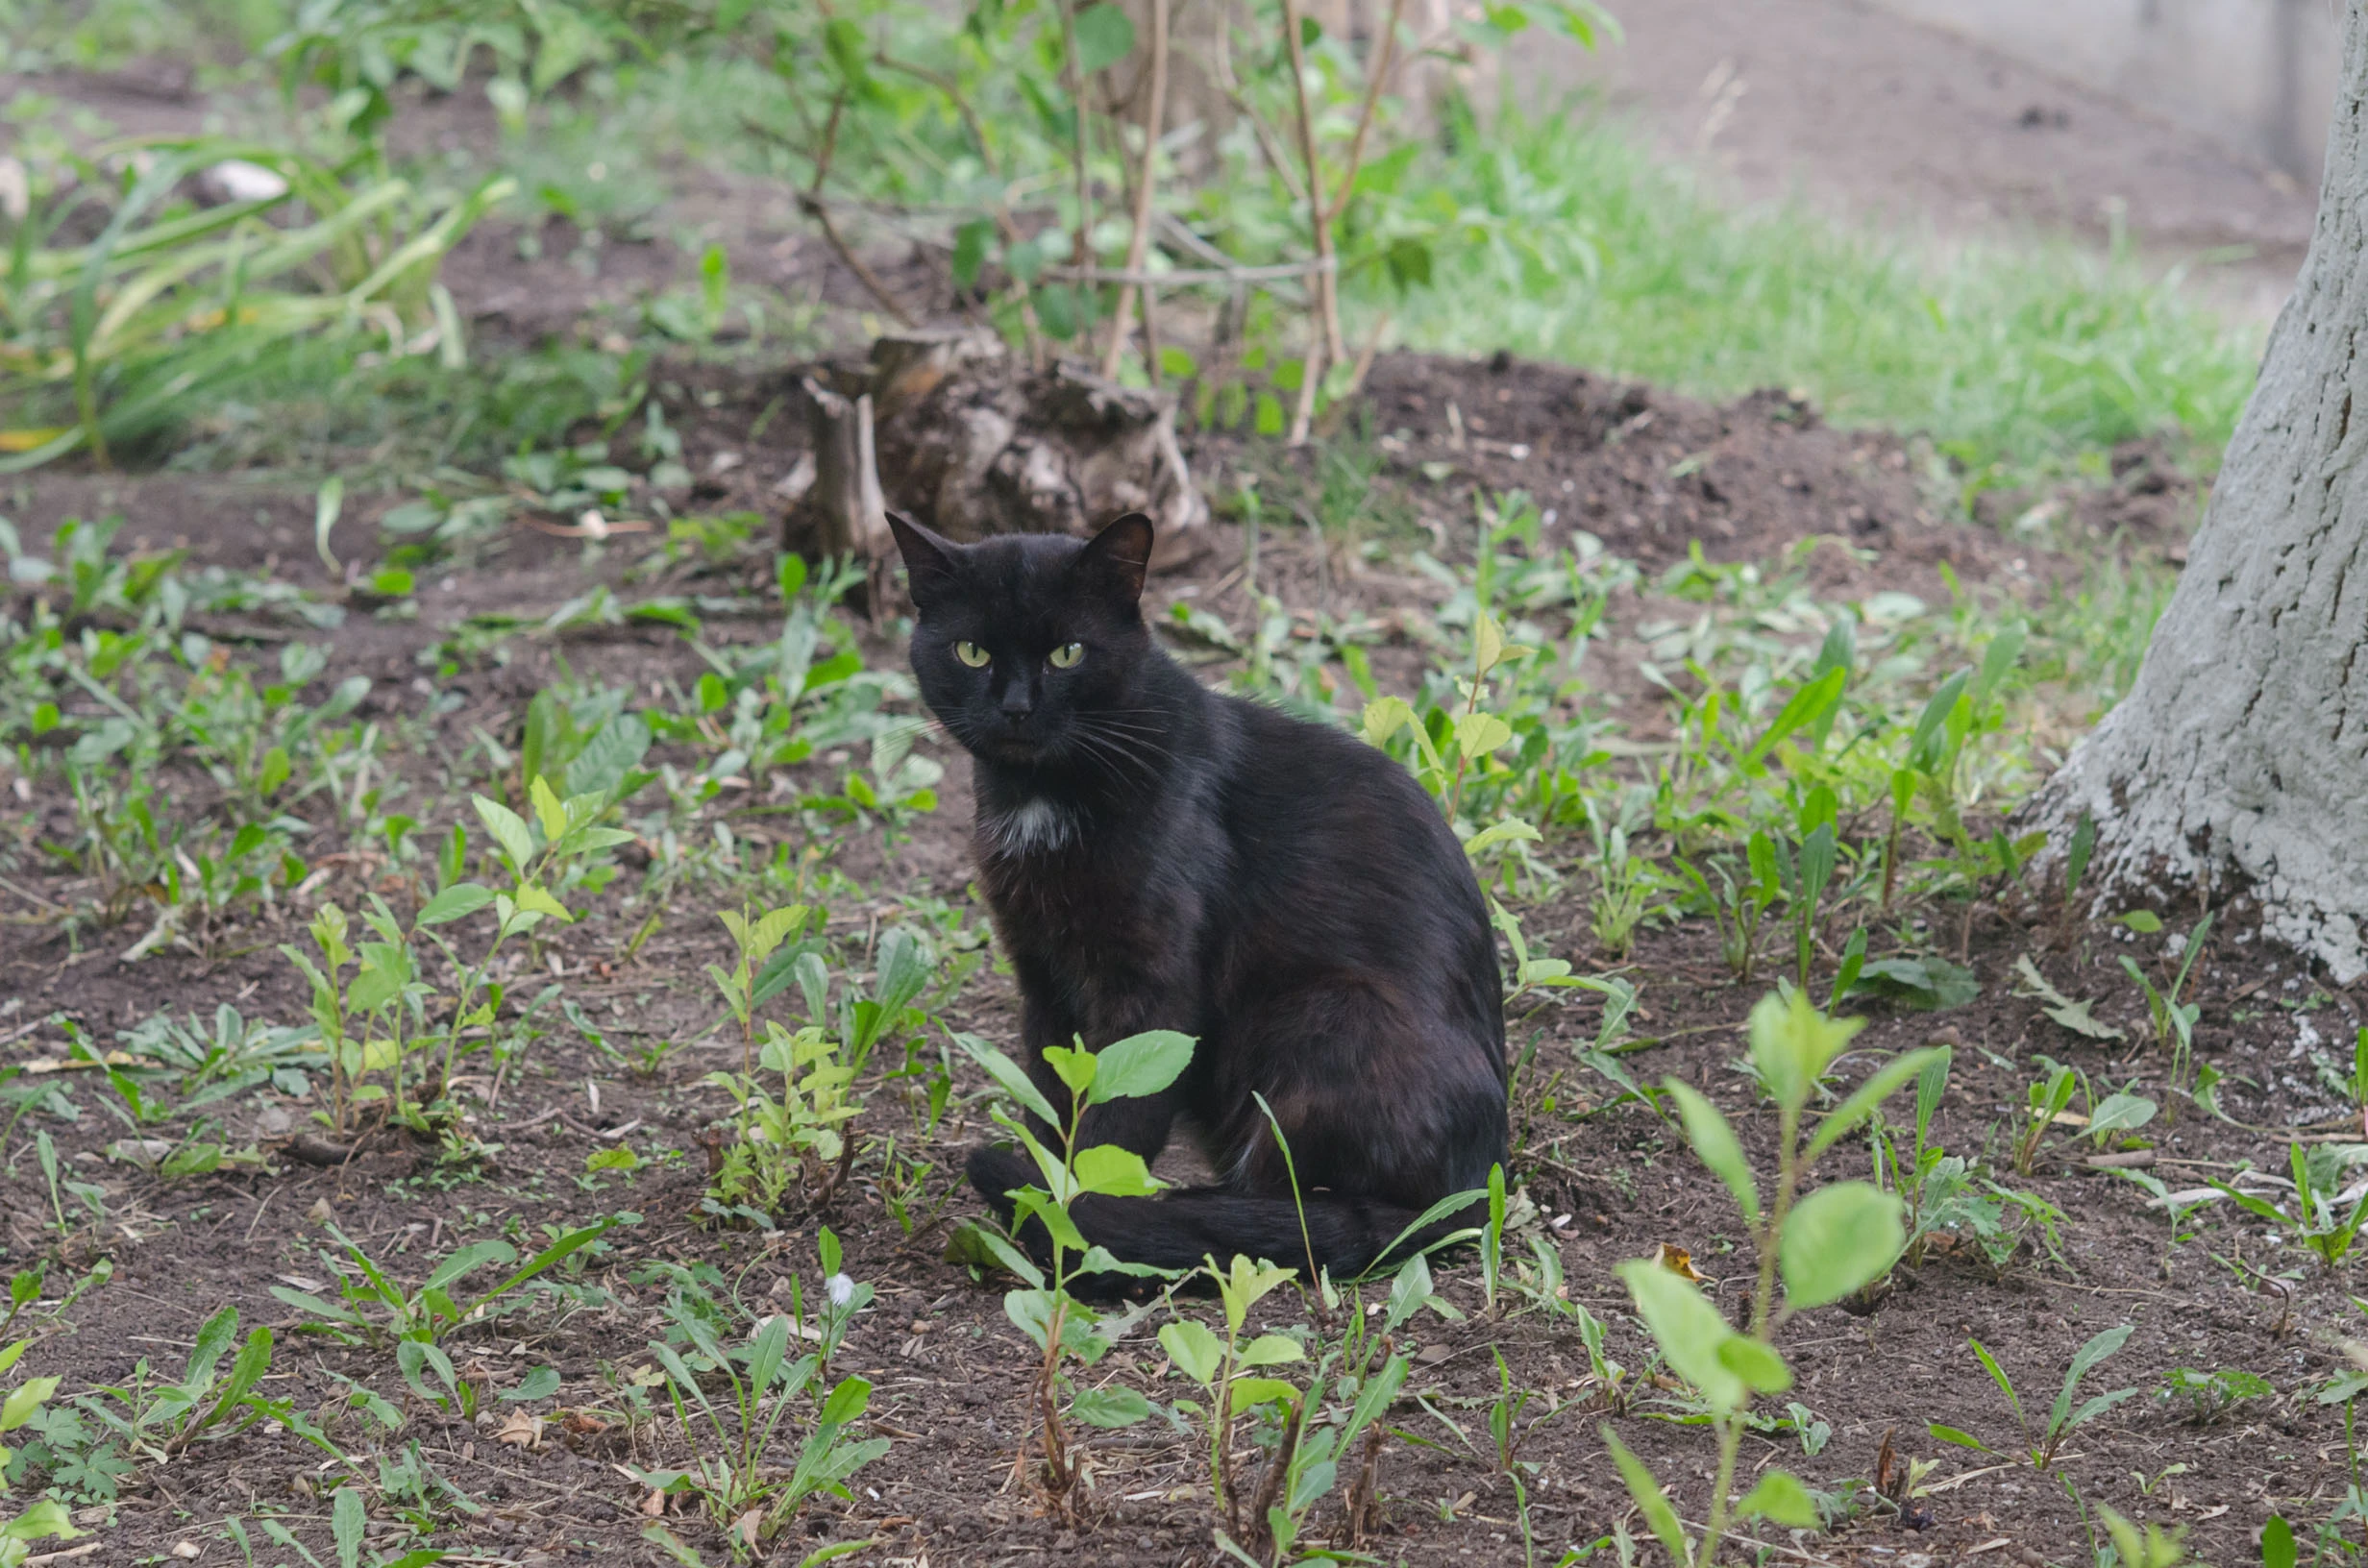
(2024, 358)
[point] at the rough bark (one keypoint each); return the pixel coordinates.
(843, 513)
(2241, 754)
(974, 443)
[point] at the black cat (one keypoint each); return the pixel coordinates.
(1157, 856)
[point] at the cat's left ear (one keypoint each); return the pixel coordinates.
(1114, 561)
(929, 559)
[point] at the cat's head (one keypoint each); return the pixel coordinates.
(1028, 647)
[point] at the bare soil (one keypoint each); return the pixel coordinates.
(1652, 476)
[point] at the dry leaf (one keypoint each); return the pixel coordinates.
(519, 1430)
(654, 1507)
(187, 1551)
(744, 1528)
(1679, 1261)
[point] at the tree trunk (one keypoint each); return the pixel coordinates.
(2241, 755)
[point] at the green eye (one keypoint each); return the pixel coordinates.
(971, 654)
(1067, 655)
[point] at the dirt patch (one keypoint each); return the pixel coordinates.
(1654, 476)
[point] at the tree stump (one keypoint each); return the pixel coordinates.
(844, 512)
(974, 443)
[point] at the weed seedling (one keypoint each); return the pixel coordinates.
(2203, 1397)
(1065, 1328)
(2171, 1020)
(161, 1421)
(2061, 1419)
(2315, 1214)
(1823, 1247)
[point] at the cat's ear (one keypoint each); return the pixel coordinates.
(1115, 560)
(929, 559)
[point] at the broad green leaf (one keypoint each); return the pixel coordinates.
(541, 1382)
(508, 830)
(2121, 1113)
(1140, 1064)
(1114, 1172)
(347, 1522)
(1248, 1393)
(1953, 1434)
(23, 1400)
(1714, 1145)
(1488, 644)
(1836, 1239)
(1105, 35)
(1008, 1076)
(1780, 1499)
(1194, 1347)
(44, 1520)
(1792, 1043)
(1756, 1363)
(2277, 1550)
(1887, 1079)
(1385, 716)
(1109, 1407)
(547, 809)
(1073, 1066)
(1271, 1349)
(535, 901)
(1688, 1328)
(848, 1401)
(974, 1244)
(1650, 1500)
(456, 902)
(609, 757)
(2071, 1015)
(1477, 734)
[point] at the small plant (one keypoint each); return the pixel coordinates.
(349, 1525)
(1824, 1246)
(2062, 1419)
(2203, 1398)
(752, 981)
(2153, 1548)
(162, 1421)
(791, 1145)
(2171, 1022)
(1065, 1328)
(2046, 1099)
(755, 1386)
(1307, 1450)
(46, 1519)
(373, 1309)
(2314, 1215)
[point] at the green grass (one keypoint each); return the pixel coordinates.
(2027, 356)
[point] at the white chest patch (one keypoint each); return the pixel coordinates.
(1036, 826)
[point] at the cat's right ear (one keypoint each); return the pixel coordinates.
(929, 559)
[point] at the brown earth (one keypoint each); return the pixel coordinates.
(1652, 476)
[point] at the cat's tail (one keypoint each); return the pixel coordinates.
(1184, 1227)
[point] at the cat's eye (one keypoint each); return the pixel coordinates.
(1067, 655)
(971, 654)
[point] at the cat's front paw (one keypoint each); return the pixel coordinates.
(995, 1171)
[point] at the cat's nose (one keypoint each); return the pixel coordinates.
(1018, 703)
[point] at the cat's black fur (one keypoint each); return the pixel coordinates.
(1158, 856)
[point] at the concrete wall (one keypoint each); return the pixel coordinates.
(2258, 76)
